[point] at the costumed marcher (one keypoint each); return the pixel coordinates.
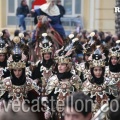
(20, 44)
(26, 38)
(39, 41)
(61, 84)
(83, 68)
(44, 66)
(51, 10)
(97, 85)
(4, 72)
(23, 44)
(28, 52)
(113, 69)
(73, 42)
(102, 113)
(27, 46)
(18, 87)
(43, 26)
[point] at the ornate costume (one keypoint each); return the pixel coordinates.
(113, 71)
(83, 68)
(21, 88)
(4, 72)
(3, 64)
(97, 88)
(61, 85)
(44, 68)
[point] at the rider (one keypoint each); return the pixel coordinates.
(52, 11)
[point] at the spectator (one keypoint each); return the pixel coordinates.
(16, 33)
(61, 8)
(74, 104)
(22, 12)
(113, 114)
(19, 115)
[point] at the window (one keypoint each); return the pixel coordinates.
(11, 11)
(73, 7)
(68, 7)
(77, 6)
(11, 3)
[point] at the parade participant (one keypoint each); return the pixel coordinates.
(51, 10)
(45, 65)
(113, 69)
(77, 44)
(29, 64)
(109, 112)
(26, 46)
(43, 26)
(26, 38)
(101, 114)
(61, 84)
(75, 110)
(4, 72)
(83, 68)
(25, 49)
(97, 85)
(20, 44)
(18, 86)
(6, 38)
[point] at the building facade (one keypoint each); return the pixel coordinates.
(96, 14)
